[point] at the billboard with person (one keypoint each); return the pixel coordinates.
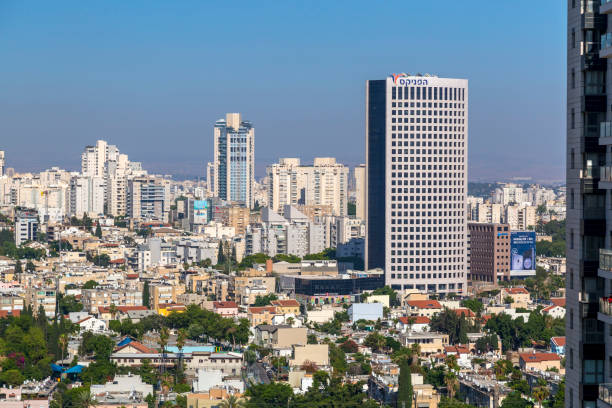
(522, 253)
(200, 212)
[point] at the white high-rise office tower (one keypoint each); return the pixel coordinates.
(234, 168)
(323, 183)
(416, 152)
(2, 165)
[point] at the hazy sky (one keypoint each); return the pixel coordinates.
(153, 76)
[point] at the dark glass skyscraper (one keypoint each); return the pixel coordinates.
(588, 179)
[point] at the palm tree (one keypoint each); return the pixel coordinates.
(180, 343)
(249, 356)
(86, 400)
(290, 321)
(113, 311)
(540, 394)
(451, 375)
(164, 333)
(231, 402)
(63, 340)
(450, 378)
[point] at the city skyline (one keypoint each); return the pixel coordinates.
(110, 95)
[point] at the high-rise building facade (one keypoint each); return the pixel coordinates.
(323, 183)
(416, 166)
(94, 158)
(489, 253)
(234, 167)
(146, 199)
(87, 196)
(2, 165)
(589, 136)
(360, 191)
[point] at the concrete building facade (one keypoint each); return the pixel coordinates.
(416, 161)
(234, 165)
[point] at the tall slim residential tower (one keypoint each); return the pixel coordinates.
(589, 270)
(234, 169)
(416, 180)
(360, 191)
(2, 165)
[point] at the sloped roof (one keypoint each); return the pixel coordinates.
(425, 304)
(538, 357)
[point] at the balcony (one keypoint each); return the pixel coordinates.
(606, 46)
(605, 393)
(605, 260)
(605, 6)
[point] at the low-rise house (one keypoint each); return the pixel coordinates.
(428, 342)
(226, 309)
(92, 324)
(423, 307)
(557, 345)
(539, 361)
(210, 399)
(286, 306)
(520, 296)
(365, 311)
(413, 323)
(554, 311)
(261, 315)
(280, 336)
(123, 391)
(314, 353)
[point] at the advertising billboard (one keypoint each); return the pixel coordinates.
(522, 253)
(200, 212)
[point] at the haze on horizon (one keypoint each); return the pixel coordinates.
(152, 77)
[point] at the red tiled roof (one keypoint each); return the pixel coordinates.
(457, 349)
(425, 304)
(138, 346)
(225, 305)
(132, 276)
(415, 319)
(558, 301)
(7, 313)
(538, 357)
(262, 309)
(464, 311)
(286, 303)
(559, 341)
(117, 261)
(516, 291)
(549, 308)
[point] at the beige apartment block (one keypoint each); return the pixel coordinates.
(315, 353)
(325, 182)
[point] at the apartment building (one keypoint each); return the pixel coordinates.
(323, 183)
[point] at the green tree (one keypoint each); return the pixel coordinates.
(515, 400)
(90, 284)
(18, 269)
(146, 294)
(268, 395)
(98, 232)
(265, 300)
(404, 392)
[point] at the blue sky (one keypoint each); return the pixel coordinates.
(153, 76)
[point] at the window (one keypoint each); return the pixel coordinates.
(571, 319)
(573, 38)
(593, 371)
(571, 359)
(572, 159)
(573, 78)
(572, 119)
